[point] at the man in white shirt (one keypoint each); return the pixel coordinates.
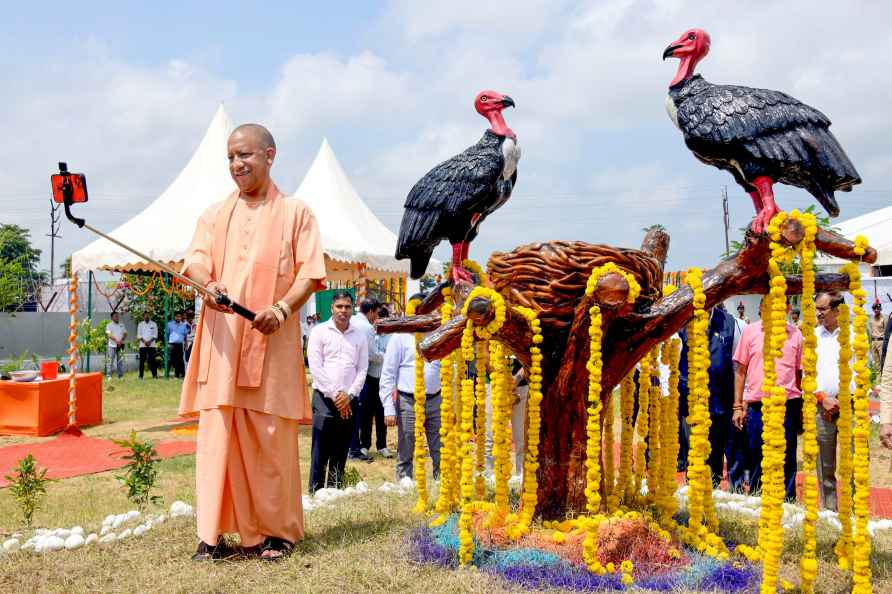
(338, 355)
(827, 334)
(370, 408)
(147, 333)
(398, 372)
(116, 334)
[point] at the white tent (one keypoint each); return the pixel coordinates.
(164, 229)
(876, 226)
(356, 243)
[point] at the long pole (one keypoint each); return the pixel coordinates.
(89, 317)
(167, 333)
(53, 234)
(727, 219)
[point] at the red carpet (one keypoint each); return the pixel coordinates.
(67, 456)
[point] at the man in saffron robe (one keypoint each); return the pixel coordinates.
(246, 380)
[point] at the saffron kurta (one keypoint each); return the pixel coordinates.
(250, 389)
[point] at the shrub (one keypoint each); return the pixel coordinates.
(28, 486)
(141, 472)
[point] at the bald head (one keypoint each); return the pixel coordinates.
(258, 132)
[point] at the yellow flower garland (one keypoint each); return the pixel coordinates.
(498, 320)
(466, 519)
(625, 488)
(668, 505)
(773, 412)
(448, 451)
(534, 425)
(420, 453)
(642, 423)
(480, 420)
(808, 564)
(593, 422)
(655, 465)
(699, 475)
(501, 385)
(861, 551)
(844, 545)
(597, 273)
(607, 416)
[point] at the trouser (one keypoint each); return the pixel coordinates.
(792, 424)
(736, 452)
(827, 433)
(331, 440)
(876, 352)
(147, 354)
(684, 444)
(175, 354)
(518, 429)
(405, 418)
(371, 409)
(247, 476)
(114, 361)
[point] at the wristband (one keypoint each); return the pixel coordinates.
(279, 315)
(284, 308)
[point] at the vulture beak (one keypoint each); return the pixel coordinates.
(828, 201)
(507, 101)
(669, 51)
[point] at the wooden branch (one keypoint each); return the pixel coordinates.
(411, 324)
(656, 244)
(837, 245)
(514, 334)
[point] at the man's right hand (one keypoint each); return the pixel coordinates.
(830, 407)
(390, 421)
(886, 435)
(342, 402)
(738, 419)
(218, 289)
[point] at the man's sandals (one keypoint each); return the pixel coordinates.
(275, 548)
(272, 549)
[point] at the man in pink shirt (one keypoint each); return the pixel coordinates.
(338, 353)
(748, 376)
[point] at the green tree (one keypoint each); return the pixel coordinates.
(65, 268)
(141, 298)
(12, 289)
(19, 276)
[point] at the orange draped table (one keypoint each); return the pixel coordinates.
(41, 407)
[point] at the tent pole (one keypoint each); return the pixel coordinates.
(166, 331)
(89, 318)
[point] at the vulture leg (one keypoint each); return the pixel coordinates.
(757, 200)
(764, 188)
(459, 251)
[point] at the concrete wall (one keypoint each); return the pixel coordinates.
(45, 334)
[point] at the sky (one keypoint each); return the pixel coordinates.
(124, 92)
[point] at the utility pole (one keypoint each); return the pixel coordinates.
(55, 222)
(727, 218)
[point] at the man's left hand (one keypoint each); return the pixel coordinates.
(266, 322)
(830, 406)
(886, 435)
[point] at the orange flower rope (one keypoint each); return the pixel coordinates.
(72, 352)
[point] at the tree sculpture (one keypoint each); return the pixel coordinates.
(551, 278)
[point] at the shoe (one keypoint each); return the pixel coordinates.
(357, 456)
(385, 453)
(364, 452)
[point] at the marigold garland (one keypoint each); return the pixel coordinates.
(593, 422)
(480, 420)
(500, 384)
(625, 488)
(668, 505)
(655, 464)
(699, 475)
(534, 425)
(844, 545)
(448, 451)
(501, 312)
(466, 520)
(861, 551)
(607, 421)
(597, 273)
(773, 412)
(420, 453)
(642, 423)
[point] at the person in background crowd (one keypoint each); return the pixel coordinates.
(748, 395)
(827, 393)
(190, 336)
(115, 352)
(877, 335)
(886, 342)
(725, 440)
(884, 391)
(370, 408)
(147, 333)
(741, 313)
(398, 373)
(176, 338)
(338, 352)
(794, 318)
(381, 341)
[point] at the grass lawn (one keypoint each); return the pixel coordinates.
(357, 545)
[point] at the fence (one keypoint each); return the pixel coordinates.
(44, 333)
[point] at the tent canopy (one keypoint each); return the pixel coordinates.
(356, 243)
(876, 226)
(164, 229)
(352, 235)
